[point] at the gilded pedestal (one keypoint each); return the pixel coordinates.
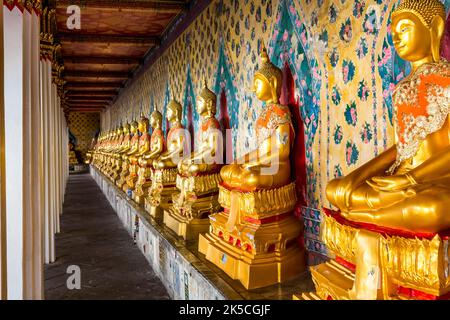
(196, 200)
(407, 265)
(143, 184)
(260, 246)
(160, 193)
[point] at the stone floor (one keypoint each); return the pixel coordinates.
(92, 237)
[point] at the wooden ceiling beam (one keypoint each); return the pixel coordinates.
(154, 5)
(86, 104)
(100, 38)
(89, 99)
(88, 93)
(96, 110)
(97, 74)
(101, 60)
(93, 85)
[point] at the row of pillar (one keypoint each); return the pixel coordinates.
(35, 151)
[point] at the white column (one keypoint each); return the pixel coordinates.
(22, 156)
(13, 35)
(47, 98)
(2, 172)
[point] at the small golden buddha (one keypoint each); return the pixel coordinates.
(175, 139)
(133, 148)
(274, 135)
(165, 166)
(257, 232)
(134, 155)
(198, 175)
(408, 186)
(115, 146)
(208, 156)
(157, 146)
(389, 237)
(122, 146)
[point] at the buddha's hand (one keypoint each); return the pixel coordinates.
(391, 183)
(339, 192)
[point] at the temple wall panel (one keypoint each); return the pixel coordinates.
(84, 126)
(344, 66)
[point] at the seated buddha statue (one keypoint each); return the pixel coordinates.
(408, 186)
(198, 175)
(106, 153)
(122, 143)
(207, 157)
(274, 135)
(130, 150)
(165, 165)
(389, 235)
(124, 147)
(257, 231)
(142, 147)
(175, 139)
(113, 151)
(157, 146)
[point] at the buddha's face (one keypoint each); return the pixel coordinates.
(170, 115)
(153, 121)
(202, 106)
(412, 39)
(133, 129)
(262, 89)
(141, 126)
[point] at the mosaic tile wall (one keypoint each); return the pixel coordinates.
(84, 126)
(342, 60)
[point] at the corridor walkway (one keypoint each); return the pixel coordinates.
(92, 237)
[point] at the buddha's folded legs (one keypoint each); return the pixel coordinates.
(423, 209)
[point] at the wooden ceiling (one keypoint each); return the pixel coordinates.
(114, 39)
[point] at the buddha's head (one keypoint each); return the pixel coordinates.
(174, 111)
(126, 128)
(417, 29)
(156, 119)
(134, 127)
(206, 102)
(268, 79)
(143, 124)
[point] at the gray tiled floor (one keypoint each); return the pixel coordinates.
(92, 237)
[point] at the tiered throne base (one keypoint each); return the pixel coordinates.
(262, 246)
(191, 206)
(161, 192)
(410, 265)
(143, 184)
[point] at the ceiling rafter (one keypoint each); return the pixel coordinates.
(101, 60)
(154, 5)
(109, 39)
(93, 85)
(97, 74)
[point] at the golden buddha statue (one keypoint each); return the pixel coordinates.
(175, 139)
(106, 152)
(113, 152)
(198, 175)
(130, 150)
(124, 140)
(157, 146)
(165, 166)
(135, 154)
(255, 239)
(124, 147)
(90, 153)
(392, 218)
(207, 158)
